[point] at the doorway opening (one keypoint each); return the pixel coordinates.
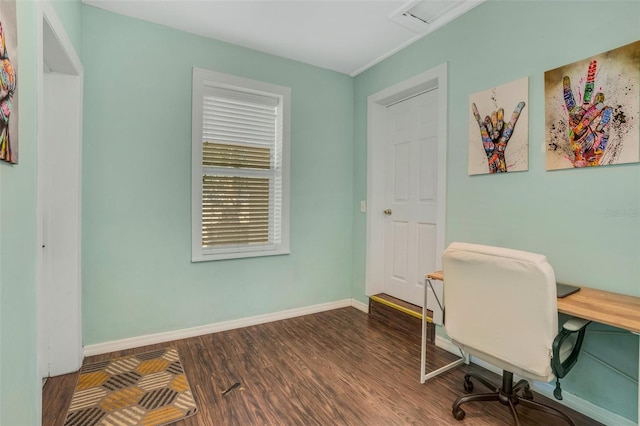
(59, 148)
(384, 251)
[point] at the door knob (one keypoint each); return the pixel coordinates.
(387, 212)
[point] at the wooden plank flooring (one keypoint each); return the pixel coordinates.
(331, 368)
(399, 318)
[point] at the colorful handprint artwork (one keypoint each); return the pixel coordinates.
(496, 146)
(8, 72)
(592, 110)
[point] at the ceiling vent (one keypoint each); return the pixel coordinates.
(422, 16)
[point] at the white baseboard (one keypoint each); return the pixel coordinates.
(446, 344)
(360, 306)
(152, 339)
(578, 404)
(583, 406)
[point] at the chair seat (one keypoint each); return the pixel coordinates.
(505, 365)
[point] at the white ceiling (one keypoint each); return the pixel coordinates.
(347, 36)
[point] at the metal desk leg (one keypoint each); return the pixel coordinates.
(424, 376)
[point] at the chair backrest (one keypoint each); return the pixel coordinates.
(501, 303)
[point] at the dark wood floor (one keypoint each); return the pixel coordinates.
(331, 368)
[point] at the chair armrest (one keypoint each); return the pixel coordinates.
(575, 324)
(561, 367)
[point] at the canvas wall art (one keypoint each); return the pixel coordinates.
(499, 129)
(592, 110)
(8, 79)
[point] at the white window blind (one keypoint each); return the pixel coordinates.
(241, 185)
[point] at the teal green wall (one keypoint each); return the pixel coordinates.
(19, 387)
(138, 278)
(561, 214)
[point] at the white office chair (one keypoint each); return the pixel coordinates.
(501, 307)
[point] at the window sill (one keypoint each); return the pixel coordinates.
(237, 255)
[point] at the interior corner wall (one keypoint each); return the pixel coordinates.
(562, 214)
(138, 278)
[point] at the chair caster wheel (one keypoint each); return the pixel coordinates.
(458, 413)
(468, 386)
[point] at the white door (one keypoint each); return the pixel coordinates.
(411, 205)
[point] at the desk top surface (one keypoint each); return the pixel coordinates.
(617, 310)
(435, 276)
(614, 309)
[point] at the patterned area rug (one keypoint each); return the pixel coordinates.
(148, 389)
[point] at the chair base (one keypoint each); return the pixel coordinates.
(506, 395)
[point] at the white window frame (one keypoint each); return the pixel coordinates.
(203, 80)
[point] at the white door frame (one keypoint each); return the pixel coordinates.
(59, 301)
(376, 134)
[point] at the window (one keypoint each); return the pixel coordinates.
(240, 167)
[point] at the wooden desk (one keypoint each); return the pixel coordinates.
(438, 275)
(604, 307)
(617, 310)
